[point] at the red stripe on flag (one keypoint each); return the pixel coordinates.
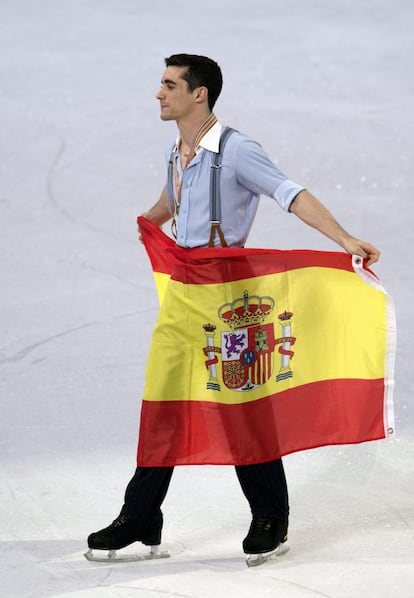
(322, 413)
(225, 264)
(221, 265)
(157, 244)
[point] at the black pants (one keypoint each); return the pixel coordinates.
(264, 486)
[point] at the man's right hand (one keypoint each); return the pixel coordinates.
(159, 213)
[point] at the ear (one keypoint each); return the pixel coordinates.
(201, 94)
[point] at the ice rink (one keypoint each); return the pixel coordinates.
(327, 87)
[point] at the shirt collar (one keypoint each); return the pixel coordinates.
(210, 141)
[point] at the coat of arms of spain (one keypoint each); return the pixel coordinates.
(247, 348)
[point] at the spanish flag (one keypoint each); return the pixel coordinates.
(259, 353)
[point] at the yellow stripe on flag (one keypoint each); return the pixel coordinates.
(161, 282)
(338, 325)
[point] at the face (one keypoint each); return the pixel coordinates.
(176, 101)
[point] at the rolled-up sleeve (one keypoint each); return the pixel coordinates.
(256, 172)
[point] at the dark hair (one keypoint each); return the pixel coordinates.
(201, 71)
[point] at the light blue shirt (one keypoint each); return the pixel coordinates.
(246, 173)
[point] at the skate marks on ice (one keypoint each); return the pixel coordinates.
(59, 166)
(25, 351)
(28, 349)
(191, 578)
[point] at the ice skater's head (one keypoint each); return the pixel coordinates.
(199, 72)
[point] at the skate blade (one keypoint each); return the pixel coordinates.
(112, 557)
(254, 560)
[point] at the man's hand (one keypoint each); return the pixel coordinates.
(362, 248)
(145, 215)
(159, 213)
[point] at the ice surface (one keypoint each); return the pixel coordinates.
(327, 88)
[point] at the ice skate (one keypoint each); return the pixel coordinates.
(123, 531)
(266, 539)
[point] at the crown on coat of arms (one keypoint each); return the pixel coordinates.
(286, 315)
(246, 310)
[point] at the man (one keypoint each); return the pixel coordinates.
(189, 89)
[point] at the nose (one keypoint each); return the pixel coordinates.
(159, 95)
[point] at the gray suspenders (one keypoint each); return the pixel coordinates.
(215, 194)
